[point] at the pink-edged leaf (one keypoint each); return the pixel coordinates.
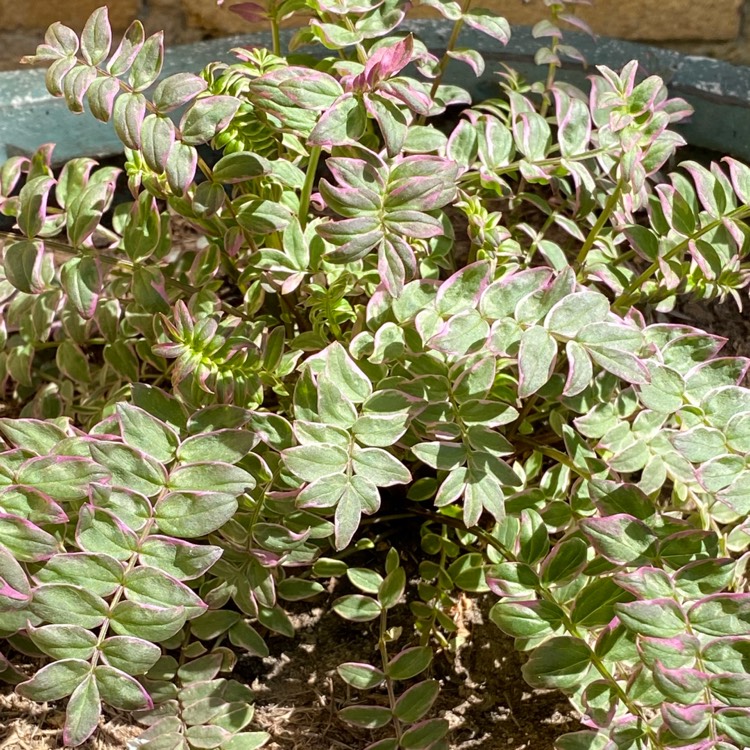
(128, 114)
(463, 289)
(101, 96)
(120, 690)
(409, 223)
(488, 22)
(250, 12)
(660, 618)
(620, 538)
(83, 712)
(684, 685)
(207, 117)
(127, 50)
(686, 722)
(96, 37)
(386, 62)
(177, 90)
(471, 57)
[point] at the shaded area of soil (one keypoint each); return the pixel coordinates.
(32, 726)
(483, 694)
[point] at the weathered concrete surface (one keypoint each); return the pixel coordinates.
(646, 20)
(720, 92)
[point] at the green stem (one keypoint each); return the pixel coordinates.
(604, 216)
(304, 199)
(276, 36)
(383, 646)
(443, 64)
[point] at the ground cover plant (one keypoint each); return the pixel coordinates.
(455, 322)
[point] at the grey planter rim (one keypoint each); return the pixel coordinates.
(718, 91)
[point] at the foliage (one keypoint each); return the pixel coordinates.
(459, 325)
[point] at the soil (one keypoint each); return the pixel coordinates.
(298, 692)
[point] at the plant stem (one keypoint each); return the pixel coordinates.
(275, 35)
(600, 222)
(443, 64)
(383, 646)
(304, 199)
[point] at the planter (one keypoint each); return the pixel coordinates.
(718, 91)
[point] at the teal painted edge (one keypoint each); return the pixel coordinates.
(719, 91)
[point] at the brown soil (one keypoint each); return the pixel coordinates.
(483, 694)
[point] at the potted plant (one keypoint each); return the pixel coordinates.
(456, 320)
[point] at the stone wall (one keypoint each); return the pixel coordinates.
(716, 28)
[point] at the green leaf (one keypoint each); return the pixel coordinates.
(380, 430)
(660, 618)
(55, 681)
(99, 574)
(246, 637)
(621, 538)
(146, 433)
(409, 663)
(63, 478)
(365, 579)
(528, 619)
(15, 590)
(228, 446)
(424, 734)
(150, 586)
(178, 558)
(26, 540)
(64, 641)
(559, 663)
(33, 435)
(211, 476)
(246, 741)
(63, 604)
(360, 676)
(146, 621)
(311, 462)
(415, 702)
(177, 90)
(83, 712)
(130, 468)
(441, 455)
(489, 23)
(664, 393)
(129, 654)
(357, 608)
(575, 311)
(369, 717)
(239, 167)
(100, 531)
(379, 466)
(120, 690)
(206, 118)
(345, 374)
(536, 360)
(147, 63)
(392, 588)
(595, 603)
(193, 514)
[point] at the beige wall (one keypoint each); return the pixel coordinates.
(713, 27)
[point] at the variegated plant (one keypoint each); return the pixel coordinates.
(192, 435)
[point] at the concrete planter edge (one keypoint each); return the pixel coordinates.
(719, 91)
